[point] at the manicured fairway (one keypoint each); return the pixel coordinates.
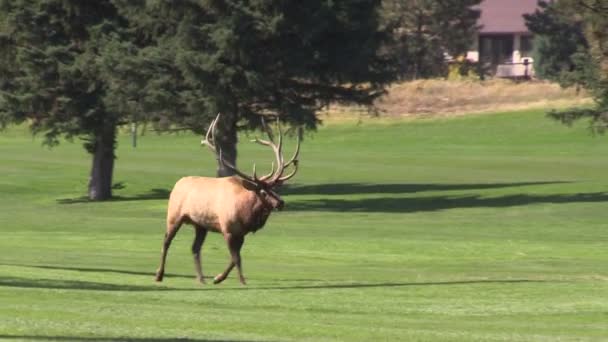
(479, 228)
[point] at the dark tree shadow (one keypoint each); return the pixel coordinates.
(331, 189)
(390, 284)
(99, 270)
(105, 339)
(168, 276)
(373, 188)
(96, 286)
(66, 284)
(435, 203)
(153, 194)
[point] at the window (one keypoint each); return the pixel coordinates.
(496, 49)
(526, 46)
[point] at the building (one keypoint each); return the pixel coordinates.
(504, 43)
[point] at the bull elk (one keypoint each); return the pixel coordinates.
(232, 206)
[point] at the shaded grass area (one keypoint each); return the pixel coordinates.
(81, 285)
(367, 188)
(153, 194)
(82, 338)
(433, 203)
(480, 228)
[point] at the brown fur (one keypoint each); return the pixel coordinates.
(230, 206)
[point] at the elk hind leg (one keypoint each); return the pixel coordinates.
(199, 238)
(172, 229)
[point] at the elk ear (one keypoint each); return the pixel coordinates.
(250, 185)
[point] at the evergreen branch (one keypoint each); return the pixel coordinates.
(598, 118)
(594, 8)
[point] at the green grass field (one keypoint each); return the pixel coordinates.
(478, 228)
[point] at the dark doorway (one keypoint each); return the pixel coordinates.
(495, 50)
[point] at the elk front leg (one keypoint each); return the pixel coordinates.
(199, 238)
(235, 242)
(169, 235)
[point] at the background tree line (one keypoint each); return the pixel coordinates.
(571, 48)
(80, 69)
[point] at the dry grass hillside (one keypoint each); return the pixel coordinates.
(437, 98)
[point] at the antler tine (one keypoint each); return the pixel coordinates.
(293, 160)
(270, 141)
(237, 171)
(275, 176)
(297, 152)
(210, 142)
(267, 129)
(211, 134)
(278, 175)
(266, 177)
(275, 148)
(293, 173)
(280, 148)
(278, 152)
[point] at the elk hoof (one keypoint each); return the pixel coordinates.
(200, 280)
(218, 279)
(159, 276)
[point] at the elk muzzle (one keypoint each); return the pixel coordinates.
(280, 205)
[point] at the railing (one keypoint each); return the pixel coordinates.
(515, 70)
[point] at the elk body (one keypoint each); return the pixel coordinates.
(232, 206)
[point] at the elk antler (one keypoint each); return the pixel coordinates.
(294, 160)
(275, 177)
(210, 142)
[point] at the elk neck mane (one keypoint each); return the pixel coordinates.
(254, 211)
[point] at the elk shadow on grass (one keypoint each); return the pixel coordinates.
(436, 203)
(98, 270)
(56, 284)
(67, 284)
(168, 276)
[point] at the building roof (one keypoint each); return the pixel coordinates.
(505, 16)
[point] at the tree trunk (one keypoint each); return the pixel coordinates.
(100, 183)
(227, 140)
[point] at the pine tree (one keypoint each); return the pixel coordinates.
(64, 65)
(77, 68)
(572, 49)
(264, 58)
(425, 31)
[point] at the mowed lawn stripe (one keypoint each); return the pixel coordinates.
(483, 227)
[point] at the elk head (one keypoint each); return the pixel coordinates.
(266, 185)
